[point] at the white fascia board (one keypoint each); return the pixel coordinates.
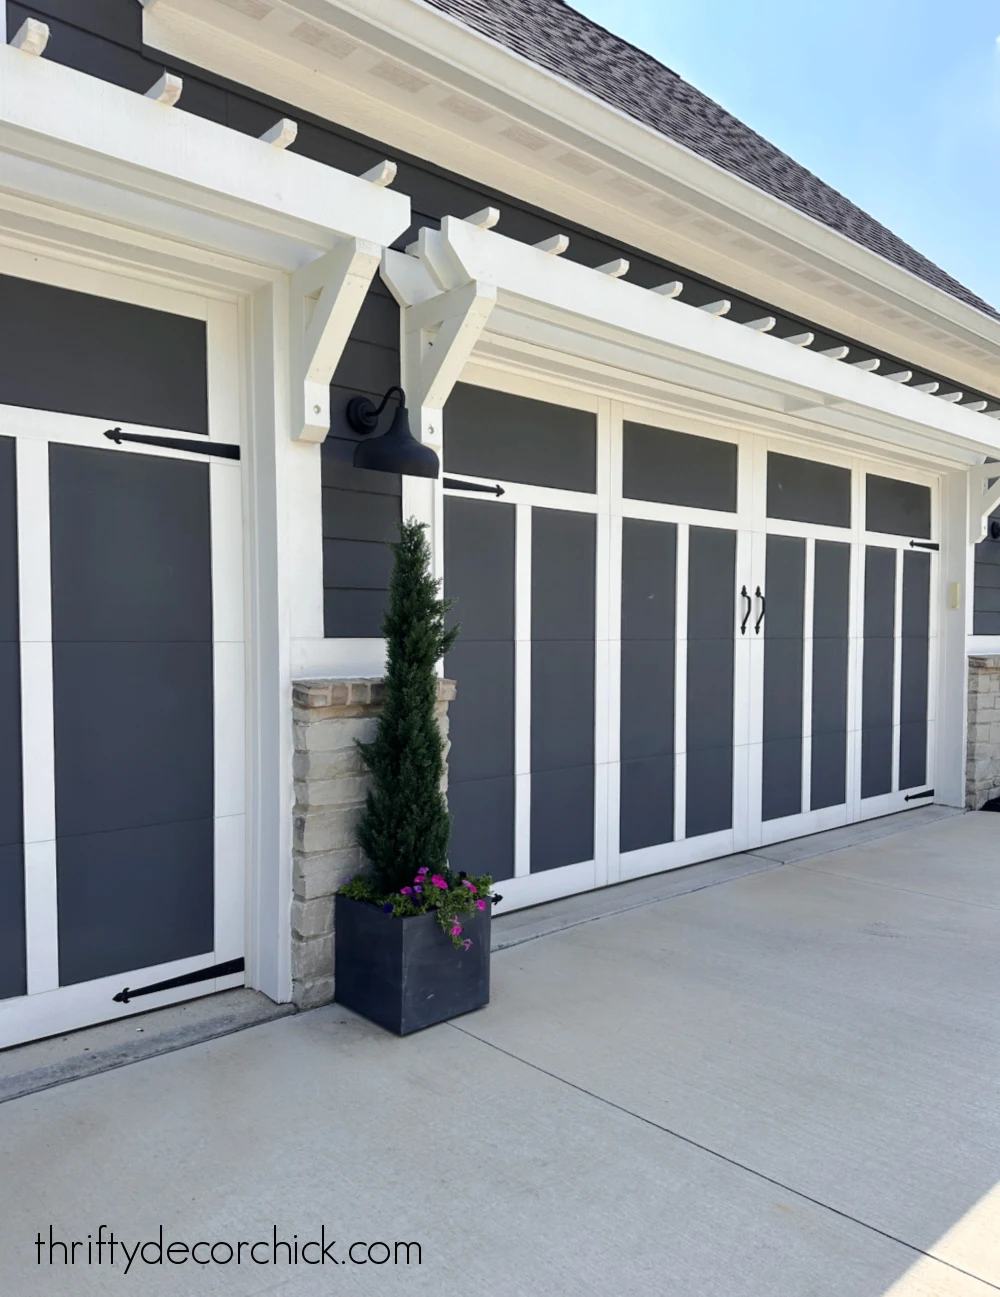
(554, 294)
(175, 172)
(440, 45)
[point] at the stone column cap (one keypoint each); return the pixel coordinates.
(353, 691)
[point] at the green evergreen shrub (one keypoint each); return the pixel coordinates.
(405, 827)
(405, 824)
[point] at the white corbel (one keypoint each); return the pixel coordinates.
(671, 290)
(983, 499)
(440, 336)
(443, 315)
(325, 298)
(800, 339)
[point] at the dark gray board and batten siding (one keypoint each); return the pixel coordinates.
(104, 39)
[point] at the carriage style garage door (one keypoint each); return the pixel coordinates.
(121, 672)
(675, 644)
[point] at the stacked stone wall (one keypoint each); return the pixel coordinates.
(330, 786)
(982, 771)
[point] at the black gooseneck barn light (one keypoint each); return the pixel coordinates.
(396, 451)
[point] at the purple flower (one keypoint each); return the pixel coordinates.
(456, 929)
(467, 943)
(438, 881)
(418, 890)
(423, 870)
(406, 891)
(480, 905)
(347, 879)
(387, 908)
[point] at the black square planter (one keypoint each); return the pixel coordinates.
(406, 974)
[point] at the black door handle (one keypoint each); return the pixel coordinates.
(763, 609)
(746, 615)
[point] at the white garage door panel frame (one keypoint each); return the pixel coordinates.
(48, 1008)
(752, 528)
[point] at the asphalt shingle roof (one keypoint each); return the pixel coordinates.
(563, 41)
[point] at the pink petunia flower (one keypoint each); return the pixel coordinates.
(471, 886)
(467, 943)
(406, 891)
(456, 930)
(480, 905)
(438, 881)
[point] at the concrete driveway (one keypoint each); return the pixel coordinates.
(784, 1084)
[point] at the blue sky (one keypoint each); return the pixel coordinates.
(896, 103)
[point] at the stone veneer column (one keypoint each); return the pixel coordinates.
(330, 786)
(982, 770)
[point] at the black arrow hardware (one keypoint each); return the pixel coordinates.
(231, 966)
(746, 615)
(763, 609)
(924, 544)
(222, 449)
(456, 484)
(915, 797)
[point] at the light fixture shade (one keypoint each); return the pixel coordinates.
(396, 451)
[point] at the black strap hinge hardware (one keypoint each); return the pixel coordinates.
(915, 797)
(186, 979)
(456, 484)
(924, 544)
(219, 448)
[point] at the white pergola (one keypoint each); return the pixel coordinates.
(124, 195)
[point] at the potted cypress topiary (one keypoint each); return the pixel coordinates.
(412, 938)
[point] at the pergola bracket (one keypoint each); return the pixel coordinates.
(325, 298)
(984, 498)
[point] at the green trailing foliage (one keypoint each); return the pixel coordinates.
(405, 828)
